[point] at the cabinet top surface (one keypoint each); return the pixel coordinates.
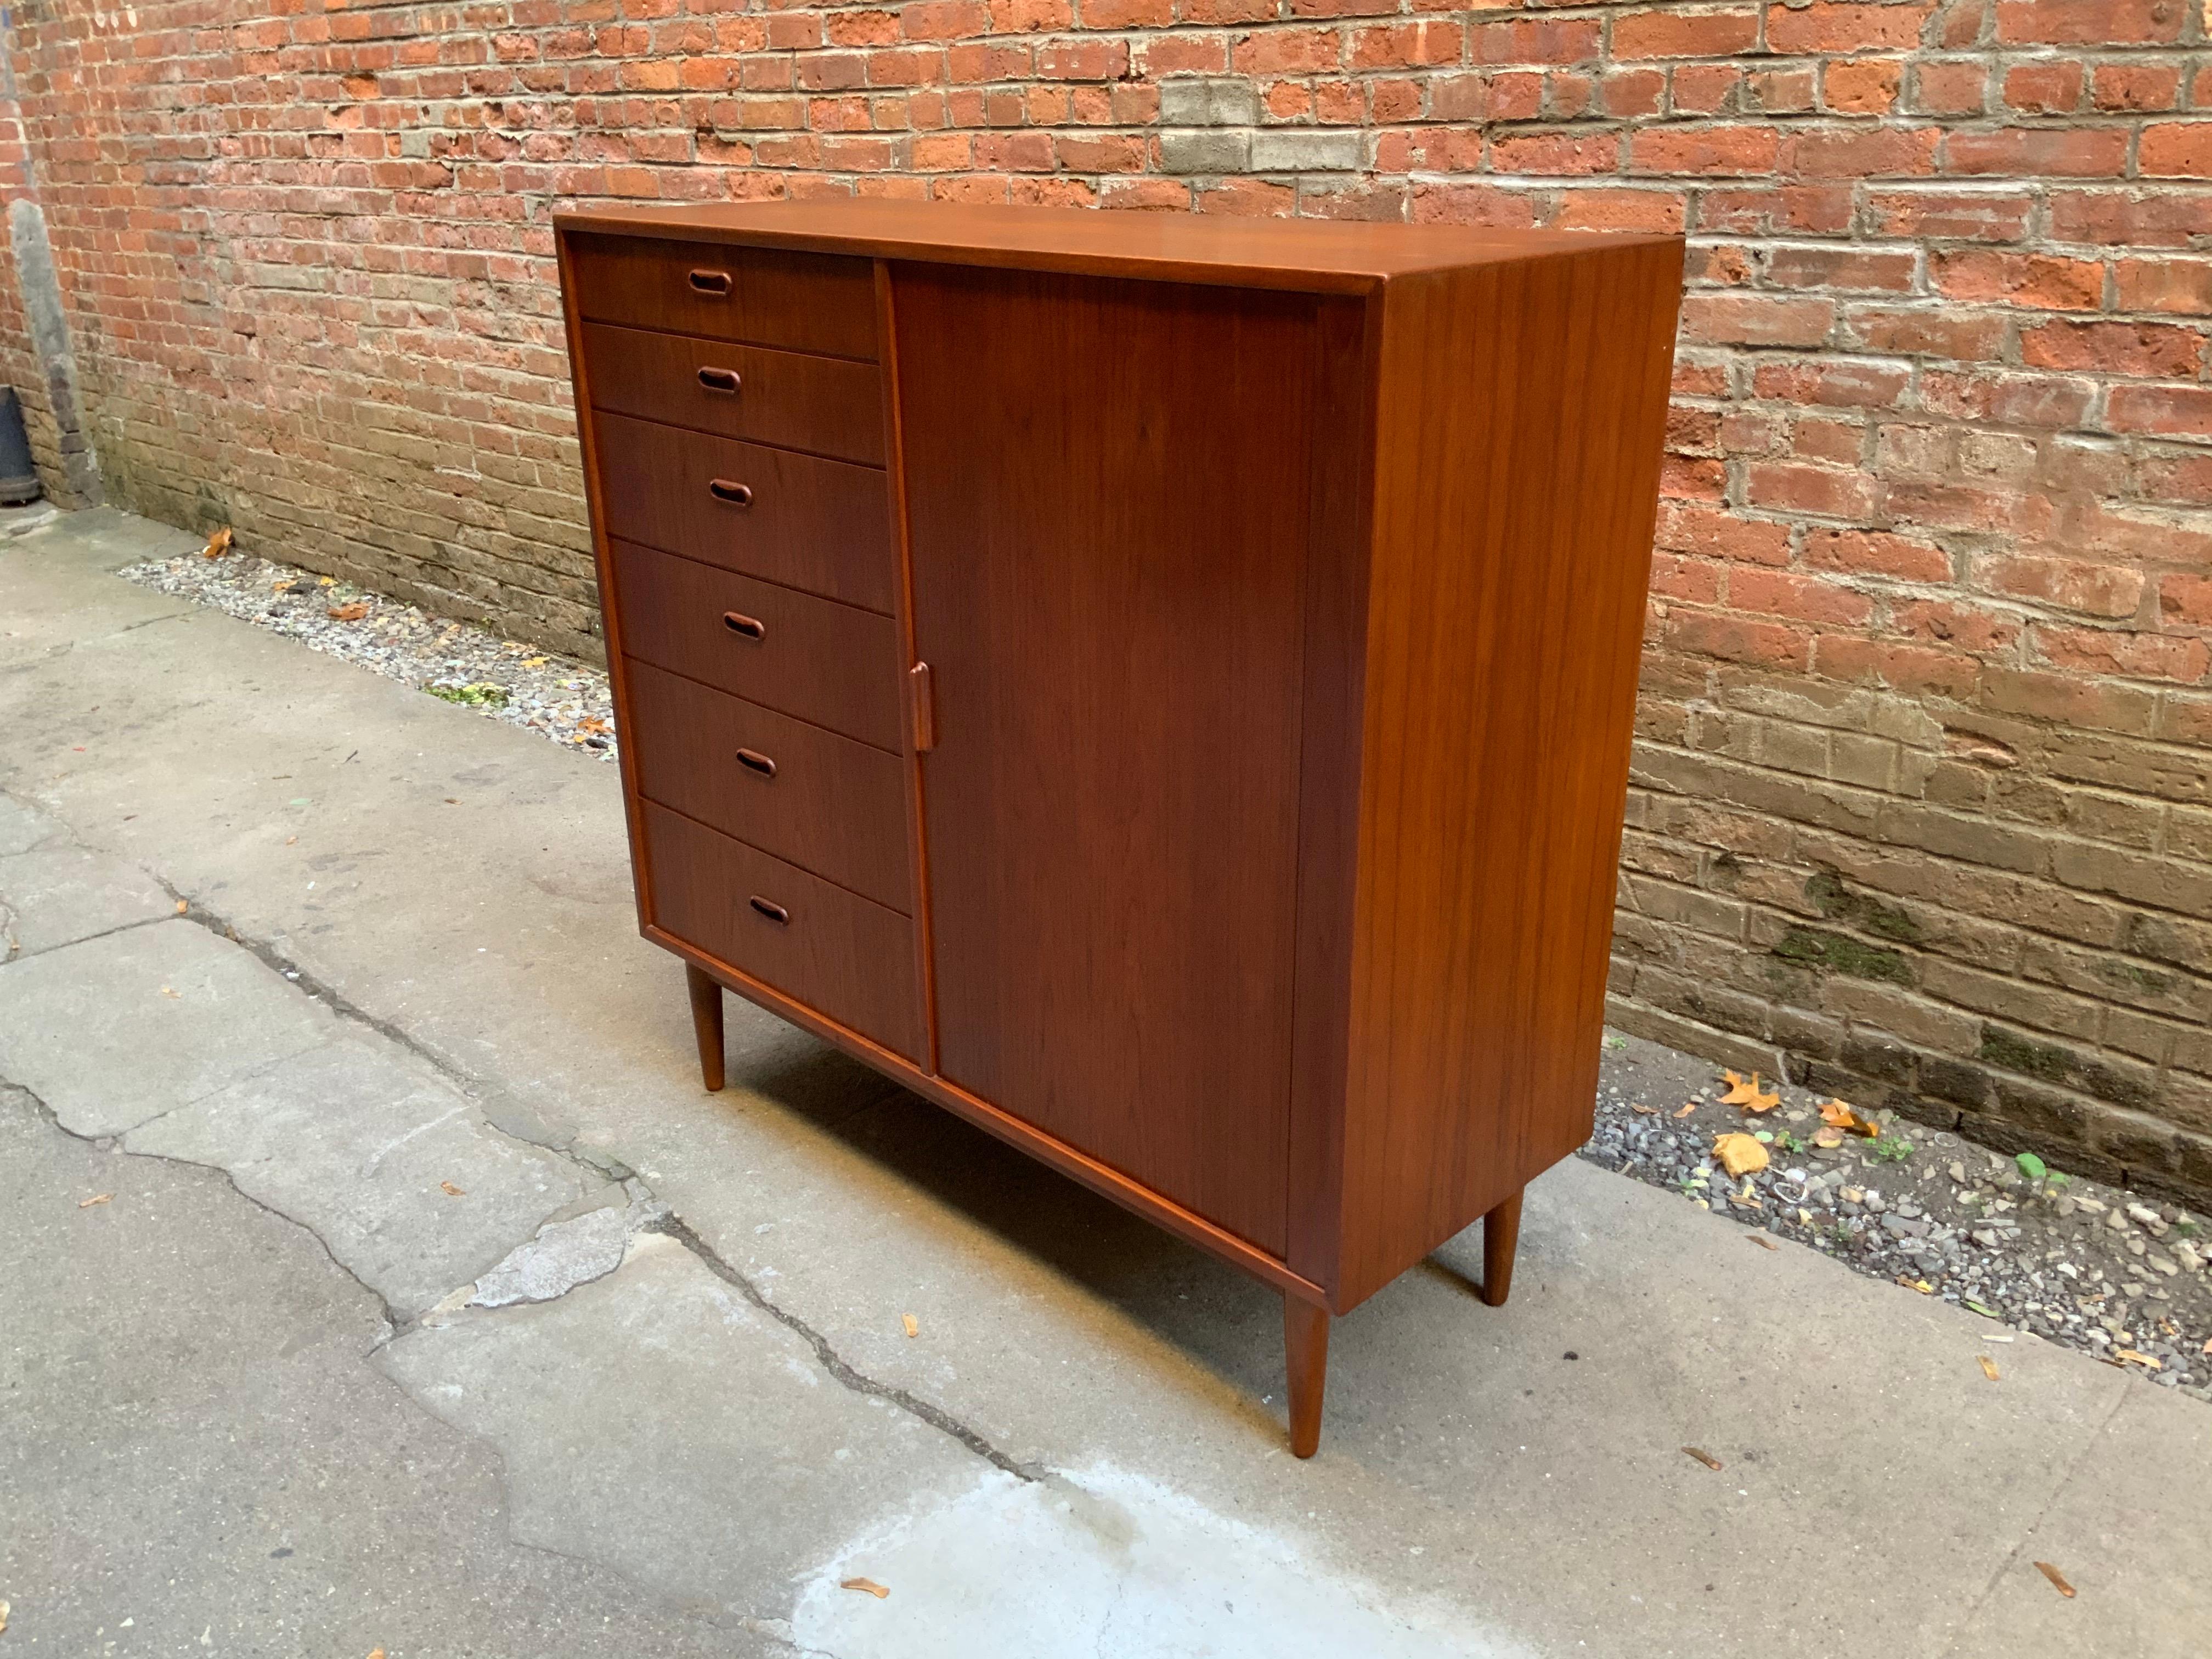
(1320, 255)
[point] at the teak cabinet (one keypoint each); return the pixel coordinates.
(1157, 687)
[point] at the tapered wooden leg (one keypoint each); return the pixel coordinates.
(1305, 1346)
(1501, 1232)
(706, 1024)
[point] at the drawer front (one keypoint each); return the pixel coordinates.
(825, 803)
(826, 404)
(824, 527)
(831, 950)
(820, 662)
(807, 302)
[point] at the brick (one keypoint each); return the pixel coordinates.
(1534, 40)
(2059, 152)
(2038, 280)
(1757, 320)
(1828, 25)
(1208, 101)
(1876, 553)
(1672, 33)
(2147, 350)
(1859, 152)
(1951, 215)
(2100, 590)
(2173, 285)
(1862, 86)
(2175, 149)
(2089, 22)
(1292, 150)
(2046, 89)
(1555, 153)
(2183, 411)
(1858, 271)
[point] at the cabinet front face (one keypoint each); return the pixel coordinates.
(1108, 496)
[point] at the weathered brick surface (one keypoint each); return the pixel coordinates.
(1922, 806)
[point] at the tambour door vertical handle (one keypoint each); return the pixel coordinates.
(924, 694)
(716, 282)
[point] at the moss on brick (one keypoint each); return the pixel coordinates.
(1832, 899)
(1838, 953)
(2017, 1053)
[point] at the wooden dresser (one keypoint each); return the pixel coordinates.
(1158, 687)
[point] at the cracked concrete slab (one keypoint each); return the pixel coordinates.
(195, 1443)
(116, 1030)
(56, 895)
(657, 1421)
(377, 1153)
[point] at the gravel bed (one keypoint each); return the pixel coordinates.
(2116, 1274)
(457, 661)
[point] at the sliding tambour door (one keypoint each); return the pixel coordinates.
(1108, 486)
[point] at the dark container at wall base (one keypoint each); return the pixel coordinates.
(19, 479)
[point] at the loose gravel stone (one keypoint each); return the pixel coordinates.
(456, 661)
(2082, 1264)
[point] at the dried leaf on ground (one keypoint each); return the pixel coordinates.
(1740, 1154)
(1763, 1242)
(376, 1653)
(97, 1198)
(1688, 1107)
(1638, 1106)
(183, 905)
(1989, 1367)
(877, 1590)
(219, 544)
(452, 1189)
(2130, 1356)
(1704, 1457)
(1919, 1284)
(1746, 1094)
(1837, 1115)
(2058, 1579)
(913, 1325)
(172, 991)
(1829, 1138)
(353, 612)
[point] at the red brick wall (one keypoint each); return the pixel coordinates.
(1925, 799)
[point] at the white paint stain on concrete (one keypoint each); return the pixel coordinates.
(1106, 1565)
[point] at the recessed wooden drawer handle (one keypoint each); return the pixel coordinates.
(753, 761)
(719, 379)
(711, 281)
(775, 912)
(736, 495)
(751, 628)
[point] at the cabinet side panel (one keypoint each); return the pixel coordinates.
(1522, 414)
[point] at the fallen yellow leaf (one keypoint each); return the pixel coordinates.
(183, 905)
(2058, 1579)
(868, 1584)
(353, 612)
(1704, 1457)
(1740, 1154)
(452, 1189)
(1829, 1138)
(97, 1198)
(1688, 1107)
(1837, 1116)
(2130, 1356)
(1763, 1242)
(219, 544)
(913, 1325)
(1989, 1367)
(1746, 1094)
(1638, 1106)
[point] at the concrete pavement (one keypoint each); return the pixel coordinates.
(434, 1307)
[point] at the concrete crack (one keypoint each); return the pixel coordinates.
(936, 1416)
